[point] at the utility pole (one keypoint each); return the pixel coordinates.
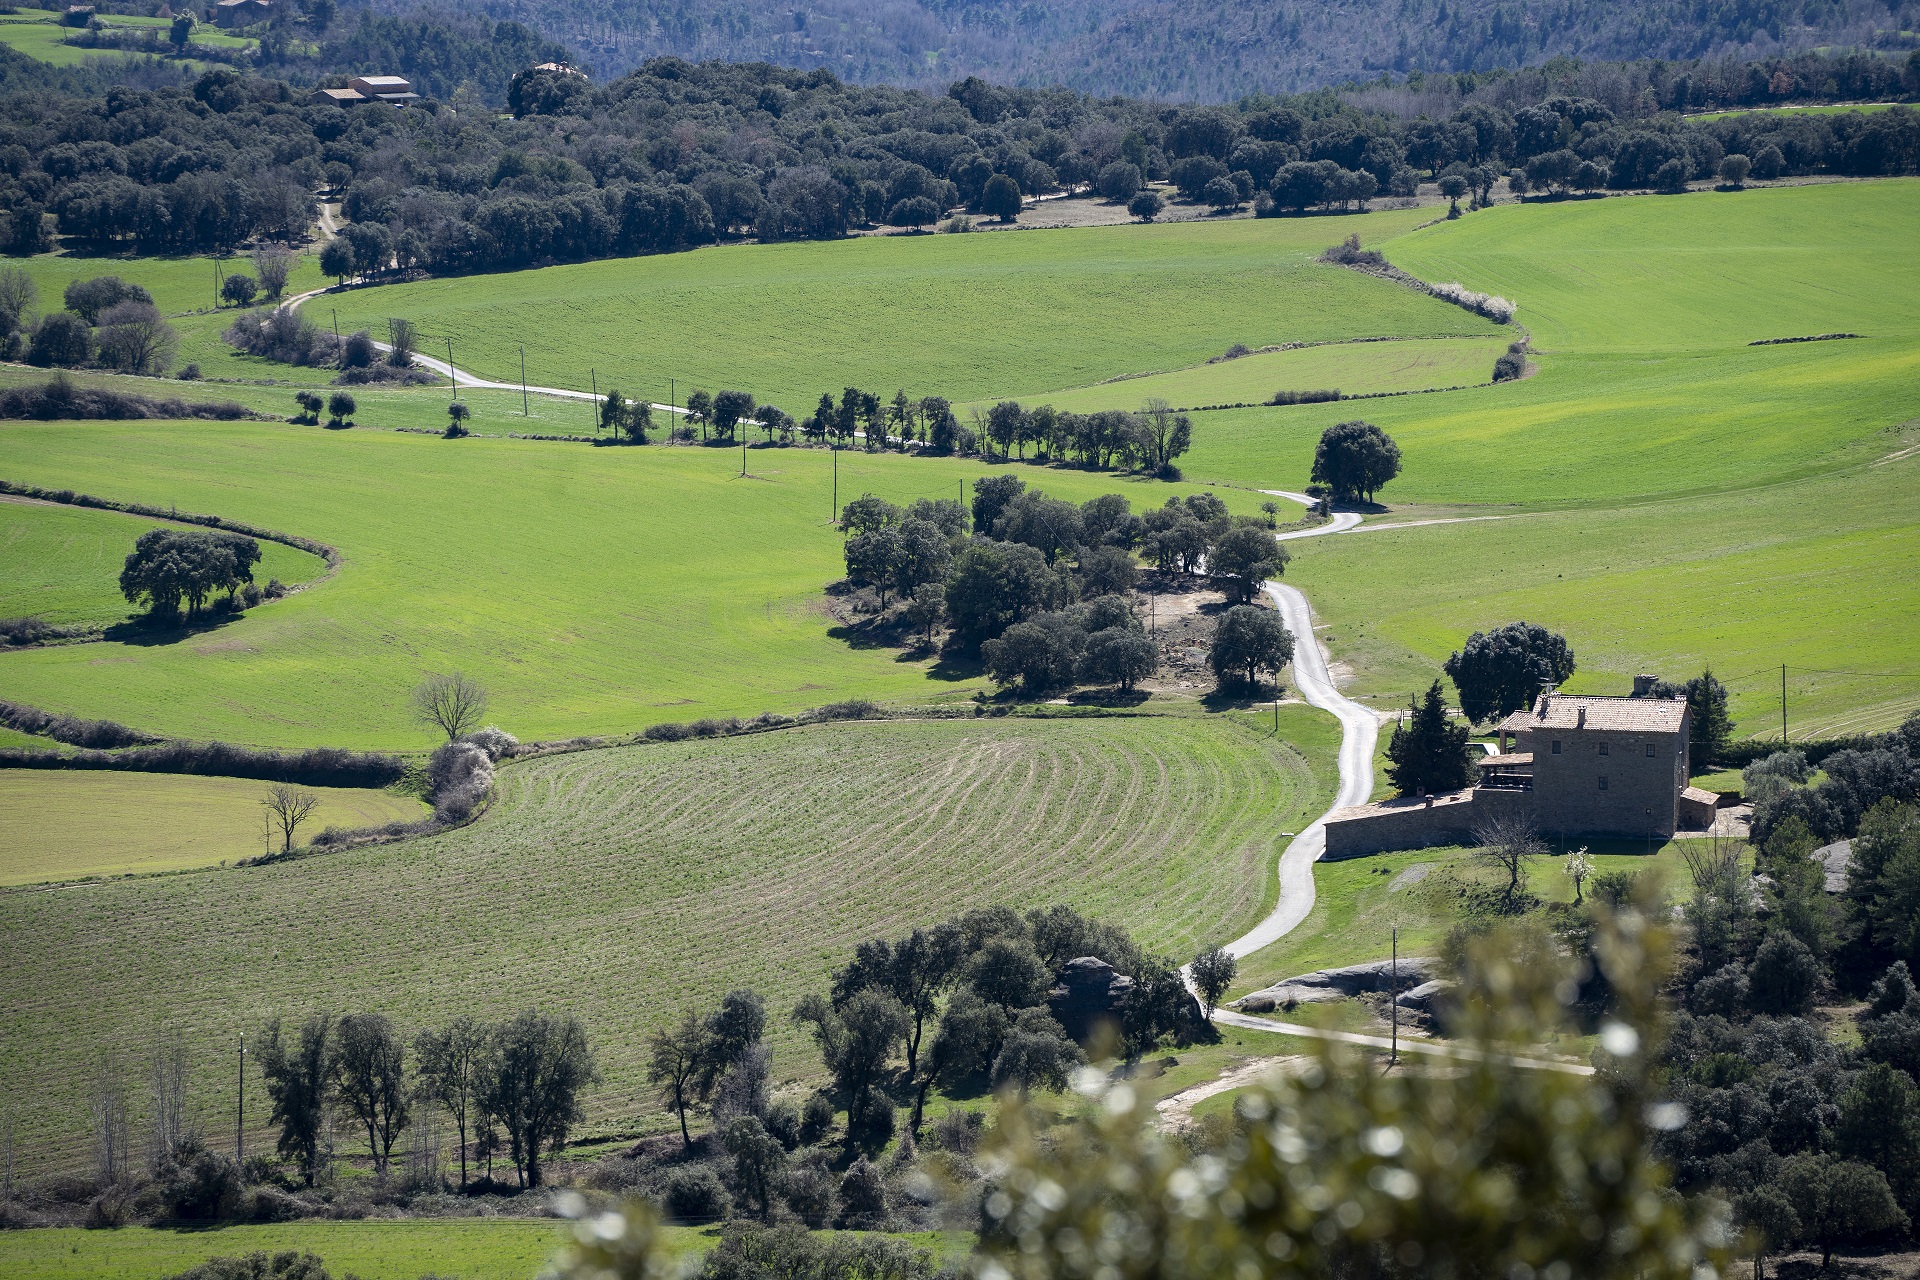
(743, 455)
(595, 375)
(1783, 705)
(240, 1114)
(453, 379)
(1395, 997)
(835, 450)
(523, 382)
(336, 322)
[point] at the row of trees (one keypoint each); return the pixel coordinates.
(521, 1079)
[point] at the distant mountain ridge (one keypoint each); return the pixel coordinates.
(1176, 49)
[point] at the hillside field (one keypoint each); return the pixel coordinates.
(628, 885)
(592, 590)
(57, 825)
(960, 316)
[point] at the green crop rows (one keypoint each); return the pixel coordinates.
(630, 884)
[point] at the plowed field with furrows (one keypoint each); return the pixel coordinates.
(629, 884)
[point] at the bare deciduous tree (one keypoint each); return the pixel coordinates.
(452, 1065)
(370, 1077)
(169, 1079)
(110, 1118)
(453, 703)
(17, 292)
(1509, 843)
(288, 807)
(402, 337)
(273, 263)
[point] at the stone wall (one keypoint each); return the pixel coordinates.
(1400, 824)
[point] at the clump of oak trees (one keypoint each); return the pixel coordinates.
(1038, 586)
(169, 567)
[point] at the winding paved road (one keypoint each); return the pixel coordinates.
(1359, 728)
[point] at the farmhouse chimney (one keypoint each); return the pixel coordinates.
(1582, 723)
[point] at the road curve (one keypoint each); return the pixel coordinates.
(1359, 728)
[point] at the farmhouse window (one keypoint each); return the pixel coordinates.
(1556, 746)
(1603, 748)
(1651, 752)
(1603, 782)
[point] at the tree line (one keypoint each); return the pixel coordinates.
(656, 160)
(514, 1086)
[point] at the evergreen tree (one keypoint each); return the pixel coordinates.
(1428, 751)
(1712, 726)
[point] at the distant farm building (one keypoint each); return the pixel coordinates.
(1576, 765)
(394, 90)
(241, 13)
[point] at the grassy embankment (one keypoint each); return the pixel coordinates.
(630, 884)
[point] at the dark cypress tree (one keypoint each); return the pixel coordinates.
(1428, 751)
(1712, 726)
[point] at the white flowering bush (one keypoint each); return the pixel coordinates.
(458, 778)
(495, 741)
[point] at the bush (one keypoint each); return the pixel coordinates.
(863, 1198)
(1118, 182)
(816, 1119)
(315, 767)
(496, 742)
(99, 734)
(289, 337)
(198, 1184)
(62, 338)
(694, 1194)
(59, 398)
(191, 373)
(258, 1266)
(808, 1191)
(1306, 397)
(459, 774)
(1146, 205)
(783, 1122)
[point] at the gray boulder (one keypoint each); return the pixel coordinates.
(1089, 992)
(1340, 984)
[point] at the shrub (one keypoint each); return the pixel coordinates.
(808, 1191)
(289, 337)
(1146, 205)
(863, 1197)
(694, 1194)
(1323, 396)
(191, 373)
(496, 742)
(258, 1266)
(1511, 364)
(314, 767)
(59, 398)
(816, 1119)
(62, 338)
(459, 775)
(99, 734)
(783, 1122)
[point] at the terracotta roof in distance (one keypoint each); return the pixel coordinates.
(1618, 715)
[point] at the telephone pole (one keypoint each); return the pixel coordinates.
(1783, 704)
(1394, 997)
(835, 450)
(453, 379)
(595, 375)
(240, 1113)
(523, 382)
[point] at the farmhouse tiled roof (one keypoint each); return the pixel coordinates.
(1700, 795)
(1585, 711)
(1512, 757)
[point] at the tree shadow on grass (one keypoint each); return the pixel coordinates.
(145, 632)
(1109, 697)
(1240, 696)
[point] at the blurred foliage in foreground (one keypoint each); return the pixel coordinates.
(1502, 1165)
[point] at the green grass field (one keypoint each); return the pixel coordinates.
(1355, 368)
(630, 884)
(38, 34)
(63, 563)
(1816, 109)
(59, 826)
(593, 590)
(470, 1248)
(959, 316)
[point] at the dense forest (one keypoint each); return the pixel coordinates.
(1185, 52)
(676, 155)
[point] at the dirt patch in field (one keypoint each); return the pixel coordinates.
(1180, 613)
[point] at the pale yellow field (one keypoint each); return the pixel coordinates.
(59, 825)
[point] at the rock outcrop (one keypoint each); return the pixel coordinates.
(1089, 993)
(1339, 984)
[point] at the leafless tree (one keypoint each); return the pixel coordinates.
(1509, 843)
(169, 1079)
(287, 807)
(17, 292)
(403, 338)
(136, 338)
(452, 1066)
(273, 263)
(110, 1118)
(424, 1152)
(453, 703)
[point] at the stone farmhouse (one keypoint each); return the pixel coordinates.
(1575, 765)
(394, 90)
